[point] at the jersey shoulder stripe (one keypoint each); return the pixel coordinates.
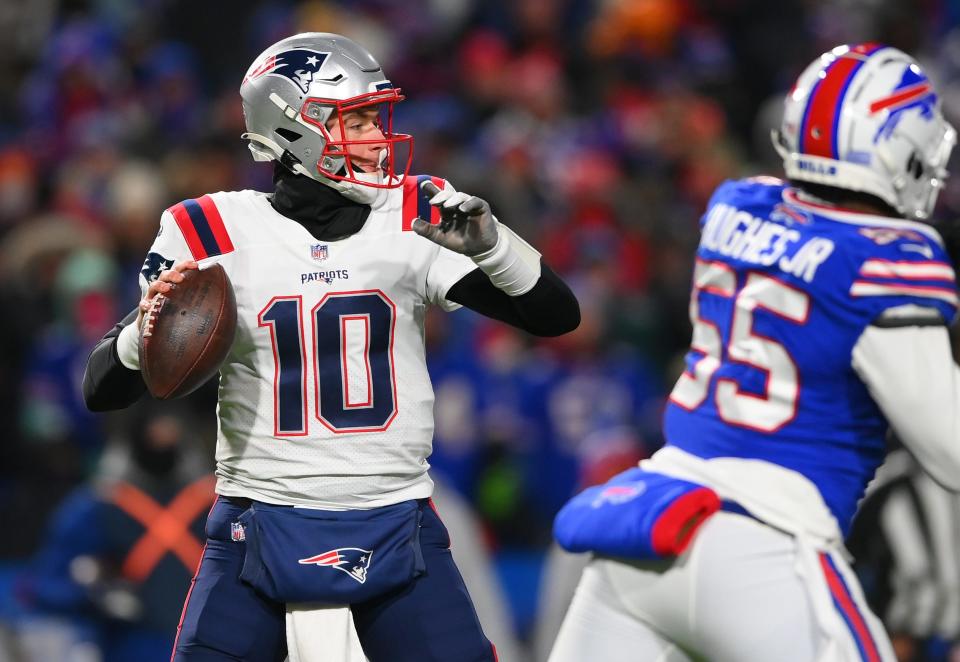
(908, 270)
(862, 288)
(202, 226)
(416, 204)
(906, 264)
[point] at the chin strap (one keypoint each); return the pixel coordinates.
(274, 152)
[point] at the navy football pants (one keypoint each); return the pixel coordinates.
(432, 618)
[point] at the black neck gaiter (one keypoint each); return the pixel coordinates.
(324, 213)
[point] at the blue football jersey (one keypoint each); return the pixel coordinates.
(782, 291)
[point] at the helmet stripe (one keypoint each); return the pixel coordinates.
(821, 117)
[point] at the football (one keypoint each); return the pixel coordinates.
(187, 333)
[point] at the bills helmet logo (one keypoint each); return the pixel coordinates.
(351, 560)
(617, 494)
(913, 92)
(298, 65)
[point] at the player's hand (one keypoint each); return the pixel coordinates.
(466, 224)
(166, 281)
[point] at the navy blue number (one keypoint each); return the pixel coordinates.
(282, 316)
(375, 407)
(370, 411)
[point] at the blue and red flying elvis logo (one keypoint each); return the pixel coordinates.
(298, 65)
(913, 92)
(617, 494)
(351, 560)
(790, 215)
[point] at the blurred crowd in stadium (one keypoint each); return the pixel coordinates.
(596, 128)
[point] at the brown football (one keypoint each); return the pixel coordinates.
(188, 333)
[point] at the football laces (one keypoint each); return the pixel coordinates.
(150, 316)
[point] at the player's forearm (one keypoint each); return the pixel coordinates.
(911, 375)
(549, 308)
(107, 383)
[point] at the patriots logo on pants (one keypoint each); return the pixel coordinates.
(297, 65)
(351, 560)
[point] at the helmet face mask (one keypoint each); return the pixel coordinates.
(292, 92)
(332, 163)
(865, 118)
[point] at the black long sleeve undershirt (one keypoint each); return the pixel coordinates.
(107, 383)
(549, 309)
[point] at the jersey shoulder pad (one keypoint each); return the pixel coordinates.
(900, 263)
(416, 203)
(202, 226)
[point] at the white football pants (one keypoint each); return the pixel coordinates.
(742, 592)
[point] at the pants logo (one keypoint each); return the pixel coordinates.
(351, 560)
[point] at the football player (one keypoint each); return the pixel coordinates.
(820, 309)
(325, 405)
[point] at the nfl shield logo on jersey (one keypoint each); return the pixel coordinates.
(319, 252)
(351, 560)
(237, 532)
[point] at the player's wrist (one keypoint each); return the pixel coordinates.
(512, 265)
(128, 346)
(494, 252)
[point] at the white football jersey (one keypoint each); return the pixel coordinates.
(325, 400)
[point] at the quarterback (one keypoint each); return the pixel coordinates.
(820, 308)
(325, 413)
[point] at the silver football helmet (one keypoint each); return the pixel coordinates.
(296, 86)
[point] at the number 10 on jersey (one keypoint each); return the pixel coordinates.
(350, 355)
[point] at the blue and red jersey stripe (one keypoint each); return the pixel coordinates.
(202, 226)
(821, 117)
(845, 604)
(416, 203)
